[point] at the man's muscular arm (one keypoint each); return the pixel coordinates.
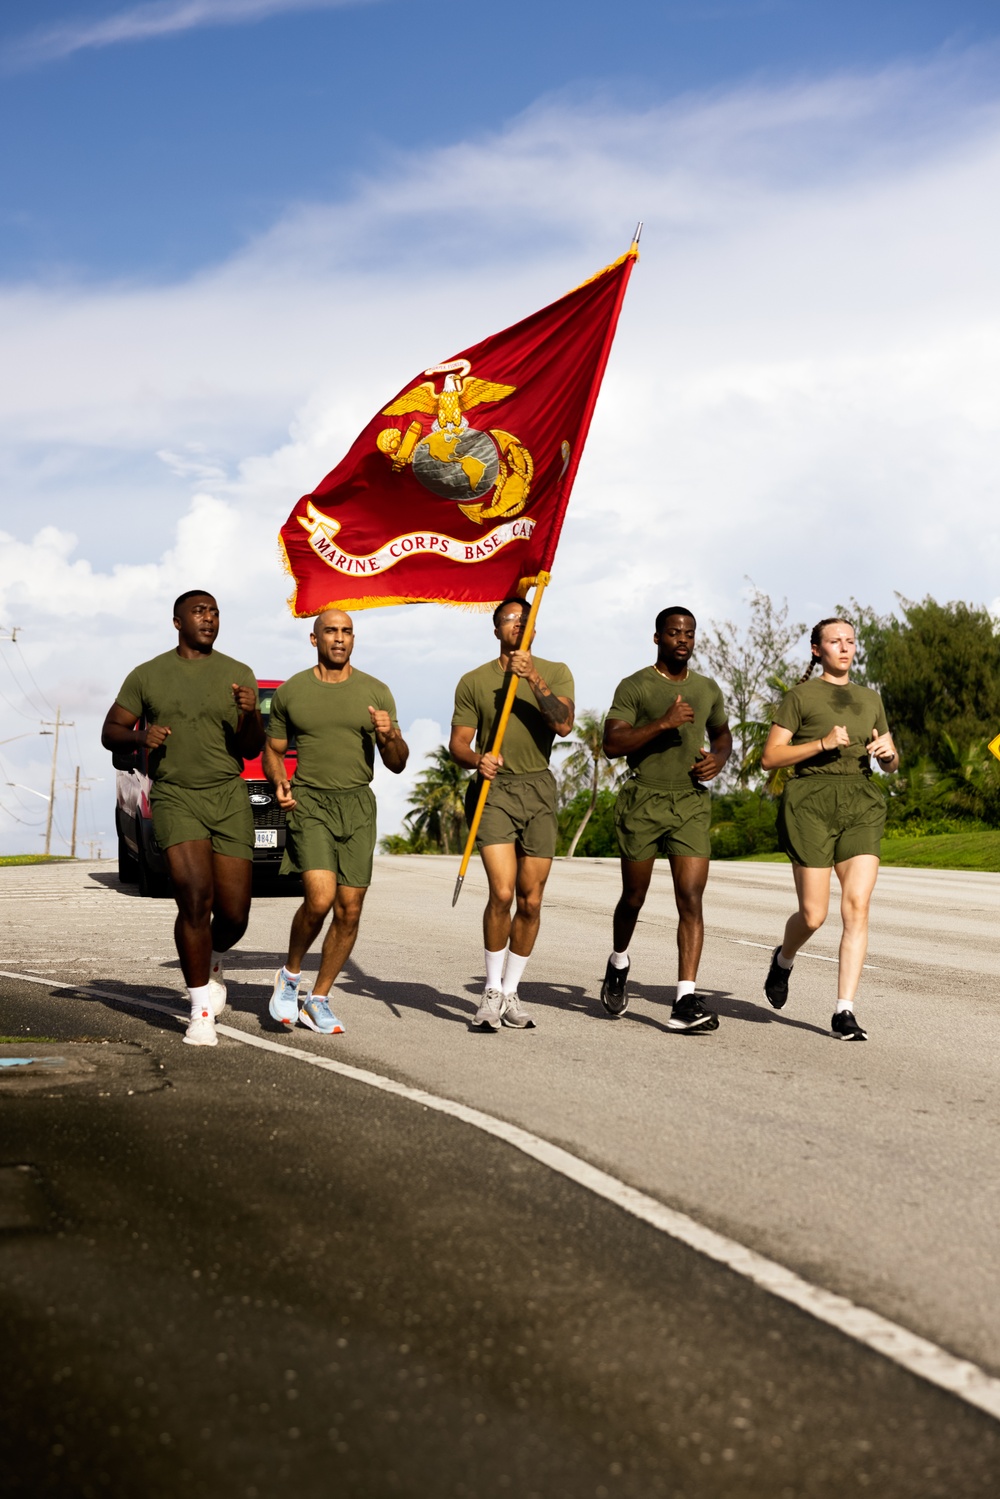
(121, 731)
(250, 725)
(621, 738)
(558, 712)
(709, 763)
(461, 751)
(274, 768)
(391, 745)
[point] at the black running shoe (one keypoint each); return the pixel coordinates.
(689, 1014)
(846, 1027)
(614, 990)
(776, 983)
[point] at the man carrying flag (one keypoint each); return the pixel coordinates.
(456, 491)
(516, 836)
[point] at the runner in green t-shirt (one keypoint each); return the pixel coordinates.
(659, 720)
(517, 834)
(831, 817)
(338, 717)
(200, 715)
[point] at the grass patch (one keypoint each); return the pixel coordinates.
(36, 859)
(975, 850)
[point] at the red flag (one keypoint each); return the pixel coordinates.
(455, 492)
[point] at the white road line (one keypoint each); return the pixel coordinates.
(769, 947)
(915, 1354)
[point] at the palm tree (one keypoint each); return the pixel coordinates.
(438, 801)
(752, 734)
(586, 766)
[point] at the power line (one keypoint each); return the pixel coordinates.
(24, 663)
(23, 821)
(25, 806)
(12, 637)
(11, 706)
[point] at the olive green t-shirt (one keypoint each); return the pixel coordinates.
(527, 741)
(647, 695)
(812, 709)
(194, 699)
(332, 727)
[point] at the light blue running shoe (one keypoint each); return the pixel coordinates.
(318, 1016)
(283, 1005)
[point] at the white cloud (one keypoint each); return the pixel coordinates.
(194, 464)
(802, 388)
(149, 21)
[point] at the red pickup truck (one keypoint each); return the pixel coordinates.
(140, 858)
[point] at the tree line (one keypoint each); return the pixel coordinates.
(937, 667)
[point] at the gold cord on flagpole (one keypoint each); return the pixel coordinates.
(541, 582)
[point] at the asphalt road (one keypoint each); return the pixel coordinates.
(226, 1274)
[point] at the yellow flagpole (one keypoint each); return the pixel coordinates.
(541, 582)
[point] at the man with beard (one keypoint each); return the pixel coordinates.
(517, 834)
(338, 717)
(200, 716)
(659, 720)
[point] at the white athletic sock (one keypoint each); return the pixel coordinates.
(494, 967)
(200, 997)
(215, 967)
(845, 1004)
(619, 959)
(292, 977)
(784, 962)
(685, 986)
(513, 972)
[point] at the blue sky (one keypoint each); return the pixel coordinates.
(164, 151)
(231, 228)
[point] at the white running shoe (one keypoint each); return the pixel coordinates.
(201, 1028)
(515, 1015)
(488, 1016)
(217, 984)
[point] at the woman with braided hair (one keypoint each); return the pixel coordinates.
(830, 817)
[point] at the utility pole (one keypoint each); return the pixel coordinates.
(77, 788)
(60, 723)
(76, 803)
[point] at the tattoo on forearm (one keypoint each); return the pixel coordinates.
(554, 710)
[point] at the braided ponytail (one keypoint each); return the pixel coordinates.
(814, 643)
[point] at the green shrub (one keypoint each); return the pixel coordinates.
(599, 840)
(743, 823)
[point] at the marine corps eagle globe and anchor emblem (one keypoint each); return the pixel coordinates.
(488, 474)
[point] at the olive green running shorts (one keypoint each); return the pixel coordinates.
(519, 809)
(182, 814)
(657, 820)
(332, 830)
(824, 819)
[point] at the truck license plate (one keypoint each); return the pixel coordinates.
(266, 838)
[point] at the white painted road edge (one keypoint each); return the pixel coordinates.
(920, 1357)
(769, 947)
